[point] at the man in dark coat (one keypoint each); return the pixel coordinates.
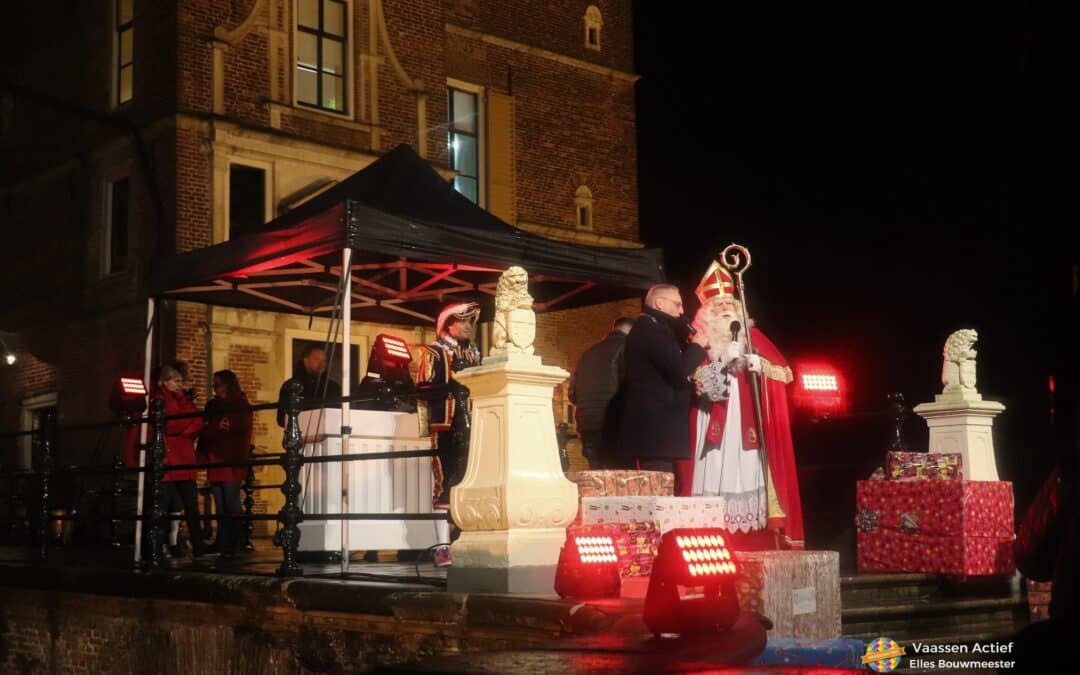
(657, 388)
(310, 372)
(593, 385)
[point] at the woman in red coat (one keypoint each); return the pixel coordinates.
(227, 438)
(180, 434)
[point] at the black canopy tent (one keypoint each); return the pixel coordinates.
(415, 243)
(411, 243)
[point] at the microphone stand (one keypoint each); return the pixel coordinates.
(736, 260)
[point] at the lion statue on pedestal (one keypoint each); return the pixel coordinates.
(958, 368)
(514, 328)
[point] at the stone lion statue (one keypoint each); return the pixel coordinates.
(515, 322)
(958, 368)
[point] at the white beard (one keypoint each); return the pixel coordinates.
(718, 327)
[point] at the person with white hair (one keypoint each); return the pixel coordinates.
(761, 498)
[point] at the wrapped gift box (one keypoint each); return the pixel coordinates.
(895, 551)
(935, 527)
(940, 507)
(798, 590)
(924, 465)
(623, 483)
(841, 653)
(668, 513)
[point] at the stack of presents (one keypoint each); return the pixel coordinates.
(920, 515)
(798, 590)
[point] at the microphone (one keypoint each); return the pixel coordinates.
(735, 328)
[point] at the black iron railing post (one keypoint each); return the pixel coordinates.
(116, 493)
(155, 507)
(46, 441)
(249, 508)
(899, 411)
(290, 514)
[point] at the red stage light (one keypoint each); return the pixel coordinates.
(128, 396)
(392, 349)
(820, 390)
(132, 386)
(588, 564)
(692, 586)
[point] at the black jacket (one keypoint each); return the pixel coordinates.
(596, 379)
(312, 389)
(656, 391)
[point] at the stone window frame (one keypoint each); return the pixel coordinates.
(108, 179)
(594, 23)
(481, 133)
(267, 168)
(348, 65)
(583, 206)
(27, 407)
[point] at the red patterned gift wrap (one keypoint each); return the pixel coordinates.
(892, 551)
(945, 507)
(937, 527)
(623, 483)
(924, 465)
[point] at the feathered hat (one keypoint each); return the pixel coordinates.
(460, 311)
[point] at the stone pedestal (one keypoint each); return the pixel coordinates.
(514, 503)
(962, 422)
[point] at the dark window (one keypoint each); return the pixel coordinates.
(464, 142)
(124, 20)
(584, 219)
(321, 35)
(594, 37)
(247, 199)
(118, 226)
(37, 416)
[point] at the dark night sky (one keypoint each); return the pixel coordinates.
(898, 171)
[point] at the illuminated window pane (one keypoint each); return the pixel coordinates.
(333, 92)
(332, 56)
(334, 18)
(307, 87)
(125, 92)
(309, 14)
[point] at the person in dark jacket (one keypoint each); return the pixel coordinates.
(310, 372)
(593, 385)
(226, 437)
(657, 388)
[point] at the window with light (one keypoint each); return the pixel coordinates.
(464, 141)
(321, 49)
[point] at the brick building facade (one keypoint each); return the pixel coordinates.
(133, 130)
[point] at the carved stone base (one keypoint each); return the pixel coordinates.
(506, 561)
(514, 501)
(964, 425)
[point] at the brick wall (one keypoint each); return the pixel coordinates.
(573, 127)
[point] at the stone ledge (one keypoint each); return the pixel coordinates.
(396, 603)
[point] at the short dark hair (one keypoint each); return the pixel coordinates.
(622, 321)
(309, 348)
(229, 379)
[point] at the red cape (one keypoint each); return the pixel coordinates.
(781, 451)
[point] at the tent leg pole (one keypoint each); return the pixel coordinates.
(148, 356)
(346, 388)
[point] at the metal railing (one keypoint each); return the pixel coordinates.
(154, 518)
